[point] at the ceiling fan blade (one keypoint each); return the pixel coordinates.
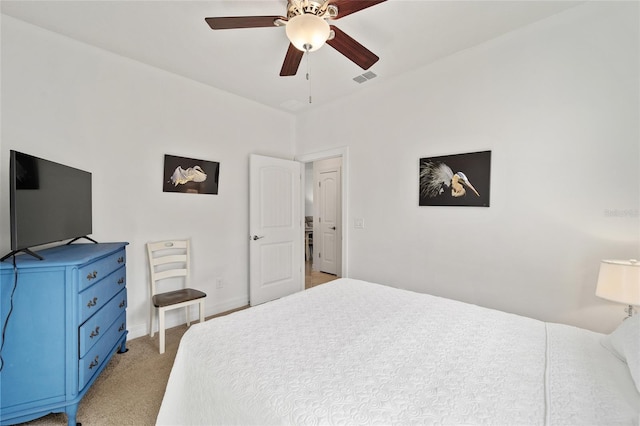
(353, 50)
(291, 61)
(347, 7)
(230, 22)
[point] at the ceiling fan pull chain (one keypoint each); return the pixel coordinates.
(308, 70)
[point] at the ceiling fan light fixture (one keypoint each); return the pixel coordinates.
(307, 32)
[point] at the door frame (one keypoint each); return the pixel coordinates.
(323, 155)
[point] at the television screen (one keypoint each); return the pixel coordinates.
(49, 201)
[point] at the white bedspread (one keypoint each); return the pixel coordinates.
(352, 352)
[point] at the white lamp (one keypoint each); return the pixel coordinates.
(619, 281)
(307, 32)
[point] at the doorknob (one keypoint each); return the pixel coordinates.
(333, 227)
(257, 237)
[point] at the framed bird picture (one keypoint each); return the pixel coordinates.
(455, 180)
(190, 175)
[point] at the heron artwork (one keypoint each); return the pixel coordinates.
(446, 180)
(436, 178)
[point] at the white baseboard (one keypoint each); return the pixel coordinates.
(139, 330)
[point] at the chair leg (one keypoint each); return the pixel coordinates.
(161, 329)
(188, 315)
(152, 316)
(202, 310)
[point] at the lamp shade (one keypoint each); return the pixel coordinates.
(619, 281)
(307, 32)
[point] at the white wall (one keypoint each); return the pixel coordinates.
(81, 106)
(557, 104)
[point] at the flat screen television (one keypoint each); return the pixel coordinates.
(49, 202)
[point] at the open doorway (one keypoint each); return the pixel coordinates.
(324, 214)
(323, 217)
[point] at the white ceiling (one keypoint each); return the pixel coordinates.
(172, 35)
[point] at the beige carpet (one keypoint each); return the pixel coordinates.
(130, 389)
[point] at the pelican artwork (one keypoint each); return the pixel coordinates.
(437, 177)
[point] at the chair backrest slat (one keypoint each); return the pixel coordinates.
(169, 244)
(171, 273)
(174, 258)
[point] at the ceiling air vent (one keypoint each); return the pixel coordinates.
(365, 77)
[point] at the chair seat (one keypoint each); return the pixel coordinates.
(178, 296)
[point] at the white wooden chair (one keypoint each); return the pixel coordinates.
(170, 260)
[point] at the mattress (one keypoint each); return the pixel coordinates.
(354, 352)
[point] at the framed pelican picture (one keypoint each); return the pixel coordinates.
(455, 180)
(188, 175)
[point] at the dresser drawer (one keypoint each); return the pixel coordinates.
(93, 360)
(94, 327)
(93, 272)
(96, 296)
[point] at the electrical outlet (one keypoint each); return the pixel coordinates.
(218, 282)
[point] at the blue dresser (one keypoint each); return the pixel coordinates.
(64, 317)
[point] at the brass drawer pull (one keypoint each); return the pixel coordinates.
(121, 327)
(121, 280)
(92, 275)
(95, 332)
(92, 302)
(120, 259)
(122, 304)
(94, 363)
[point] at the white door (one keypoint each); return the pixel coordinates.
(329, 218)
(275, 246)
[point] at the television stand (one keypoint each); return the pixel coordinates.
(69, 318)
(79, 238)
(26, 250)
(36, 255)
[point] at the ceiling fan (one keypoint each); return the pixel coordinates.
(307, 29)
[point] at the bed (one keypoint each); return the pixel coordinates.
(354, 352)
